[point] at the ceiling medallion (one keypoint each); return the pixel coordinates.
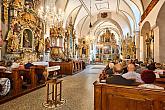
(104, 15)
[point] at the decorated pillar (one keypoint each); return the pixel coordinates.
(5, 11)
(0, 30)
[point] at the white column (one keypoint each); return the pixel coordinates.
(141, 49)
(137, 43)
(156, 45)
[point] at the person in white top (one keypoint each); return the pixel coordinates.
(131, 74)
(15, 64)
(149, 77)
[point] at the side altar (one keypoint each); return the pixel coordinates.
(26, 31)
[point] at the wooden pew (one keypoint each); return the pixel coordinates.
(77, 65)
(17, 81)
(116, 97)
(34, 72)
(65, 67)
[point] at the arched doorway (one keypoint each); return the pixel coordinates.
(160, 23)
(145, 42)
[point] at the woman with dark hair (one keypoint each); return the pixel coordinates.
(148, 76)
(151, 66)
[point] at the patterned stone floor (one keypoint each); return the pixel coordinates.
(77, 90)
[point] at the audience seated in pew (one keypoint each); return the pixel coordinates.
(117, 77)
(151, 66)
(131, 74)
(109, 69)
(142, 68)
(149, 77)
(159, 70)
(124, 65)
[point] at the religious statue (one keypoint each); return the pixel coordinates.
(41, 45)
(83, 50)
(26, 41)
(18, 3)
(15, 42)
(47, 44)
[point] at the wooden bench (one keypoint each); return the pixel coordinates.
(116, 97)
(65, 67)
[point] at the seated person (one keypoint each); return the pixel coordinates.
(21, 66)
(103, 76)
(109, 71)
(4, 86)
(117, 78)
(151, 66)
(124, 66)
(8, 67)
(158, 71)
(142, 67)
(15, 64)
(131, 74)
(148, 76)
(28, 65)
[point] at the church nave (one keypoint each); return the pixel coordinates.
(77, 90)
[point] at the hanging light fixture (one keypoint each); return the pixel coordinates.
(90, 24)
(53, 16)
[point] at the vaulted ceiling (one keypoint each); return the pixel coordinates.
(124, 15)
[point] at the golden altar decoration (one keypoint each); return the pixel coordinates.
(83, 48)
(107, 47)
(128, 48)
(26, 29)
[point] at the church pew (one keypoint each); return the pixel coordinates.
(116, 97)
(34, 70)
(65, 67)
(17, 80)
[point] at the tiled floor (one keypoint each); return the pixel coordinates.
(77, 90)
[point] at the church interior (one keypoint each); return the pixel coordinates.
(82, 54)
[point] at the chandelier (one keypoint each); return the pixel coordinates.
(52, 16)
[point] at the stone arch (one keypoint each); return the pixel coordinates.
(145, 28)
(160, 23)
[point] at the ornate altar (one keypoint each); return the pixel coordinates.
(128, 48)
(83, 48)
(107, 47)
(64, 39)
(57, 53)
(26, 29)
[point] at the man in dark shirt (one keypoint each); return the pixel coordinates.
(28, 65)
(117, 78)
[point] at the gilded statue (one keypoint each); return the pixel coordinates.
(9, 38)
(47, 44)
(41, 45)
(13, 42)
(26, 41)
(18, 3)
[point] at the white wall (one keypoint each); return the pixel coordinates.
(152, 16)
(156, 44)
